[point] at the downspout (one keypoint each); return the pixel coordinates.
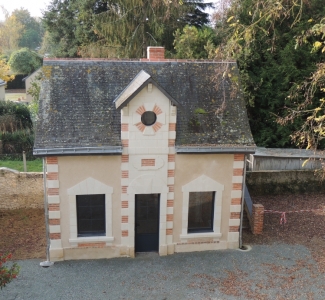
(46, 263)
(242, 207)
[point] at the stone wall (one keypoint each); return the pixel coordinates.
(20, 190)
(283, 182)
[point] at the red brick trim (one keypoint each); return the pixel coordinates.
(140, 126)
(53, 191)
(171, 157)
(157, 126)
(125, 158)
(54, 221)
(125, 174)
(125, 143)
(233, 228)
(171, 188)
(170, 217)
(52, 176)
(148, 162)
(124, 127)
(236, 186)
(235, 215)
(55, 236)
(169, 231)
(239, 157)
(172, 126)
(257, 219)
(157, 110)
(141, 110)
(125, 219)
(125, 233)
(171, 142)
(236, 201)
(170, 203)
(124, 189)
(238, 172)
(125, 204)
(54, 207)
(52, 160)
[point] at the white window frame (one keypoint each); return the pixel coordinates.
(90, 186)
(202, 184)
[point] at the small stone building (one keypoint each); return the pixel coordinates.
(142, 155)
(2, 90)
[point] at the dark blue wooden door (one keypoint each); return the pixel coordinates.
(146, 222)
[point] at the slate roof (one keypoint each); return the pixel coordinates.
(77, 113)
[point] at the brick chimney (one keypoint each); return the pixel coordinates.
(155, 53)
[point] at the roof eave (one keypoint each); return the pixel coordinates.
(212, 149)
(78, 151)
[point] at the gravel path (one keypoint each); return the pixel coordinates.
(266, 272)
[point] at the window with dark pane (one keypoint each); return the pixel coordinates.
(91, 215)
(200, 212)
(148, 118)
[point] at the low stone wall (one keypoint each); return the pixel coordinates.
(283, 182)
(20, 190)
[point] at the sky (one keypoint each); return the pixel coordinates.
(33, 6)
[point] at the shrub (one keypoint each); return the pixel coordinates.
(7, 274)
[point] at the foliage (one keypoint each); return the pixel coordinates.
(194, 43)
(7, 274)
(5, 71)
(34, 91)
(20, 114)
(17, 141)
(261, 36)
(33, 165)
(99, 28)
(31, 36)
(24, 61)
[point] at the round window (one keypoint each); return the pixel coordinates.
(148, 118)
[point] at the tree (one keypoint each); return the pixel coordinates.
(5, 71)
(10, 33)
(31, 36)
(194, 43)
(261, 36)
(24, 61)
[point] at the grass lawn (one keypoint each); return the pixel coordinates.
(32, 165)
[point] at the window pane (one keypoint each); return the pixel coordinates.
(200, 211)
(91, 215)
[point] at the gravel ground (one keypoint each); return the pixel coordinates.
(277, 271)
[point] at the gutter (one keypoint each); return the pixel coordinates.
(242, 207)
(78, 151)
(225, 150)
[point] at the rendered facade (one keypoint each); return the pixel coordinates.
(142, 156)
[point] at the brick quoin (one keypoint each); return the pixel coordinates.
(148, 162)
(172, 126)
(169, 231)
(52, 176)
(233, 228)
(125, 204)
(171, 143)
(92, 245)
(125, 233)
(124, 127)
(54, 207)
(52, 160)
(238, 172)
(141, 110)
(54, 221)
(235, 215)
(53, 191)
(125, 174)
(125, 158)
(236, 186)
(170, 217)
(170, 203)
(171, 173)
(55, 236)
(125, 143)
(236, 201)
(125, 219)
(171, 188)
(171, 157)
(239, 157)
(124, 189)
